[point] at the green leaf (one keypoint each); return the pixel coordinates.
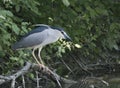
(2, 17)
(17, 8)
(77, 46)
(2, 54)
(6, 36)
(91, 11)
(63, 50)
(116, 47)
(21, 61)
(15, 29)
(31, 75)
(101, 11)
(14, 58)
(66, 2)
(6, 13)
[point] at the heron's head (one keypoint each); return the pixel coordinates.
(63, 34)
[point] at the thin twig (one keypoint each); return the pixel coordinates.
(37, 78)
(13, 83)
(98, 79)
(81, 65)
(66, 65)
(23, 81)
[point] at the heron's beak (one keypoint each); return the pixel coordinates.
(68, 38)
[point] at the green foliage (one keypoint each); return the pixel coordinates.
(66, 2)
(94, 26)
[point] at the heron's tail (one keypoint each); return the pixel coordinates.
(16, 46)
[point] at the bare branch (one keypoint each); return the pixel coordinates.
(41, 68)
(23, 81)
(37, 78)
(24, 70)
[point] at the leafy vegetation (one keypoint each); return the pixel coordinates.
(94, 26)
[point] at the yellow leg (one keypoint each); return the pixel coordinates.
(33, 53)
(41, 61)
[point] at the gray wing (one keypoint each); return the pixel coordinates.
(40, 28)
(31, 40)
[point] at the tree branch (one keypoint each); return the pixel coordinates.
(41, 68)
(24, 70)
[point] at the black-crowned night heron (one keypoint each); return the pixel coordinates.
(39, 37)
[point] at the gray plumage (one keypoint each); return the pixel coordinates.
(40, 36)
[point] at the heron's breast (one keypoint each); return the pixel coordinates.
(52, 36)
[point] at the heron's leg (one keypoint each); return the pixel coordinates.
(33, 53)
(40, 56)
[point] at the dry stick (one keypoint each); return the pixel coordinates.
(16, 75)
(23, 81)
(45, 69)
(37, 78)
(66, 65)
(28, 67)
(97, 79)
(53, 76)
(81, 65)
(13, 83)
